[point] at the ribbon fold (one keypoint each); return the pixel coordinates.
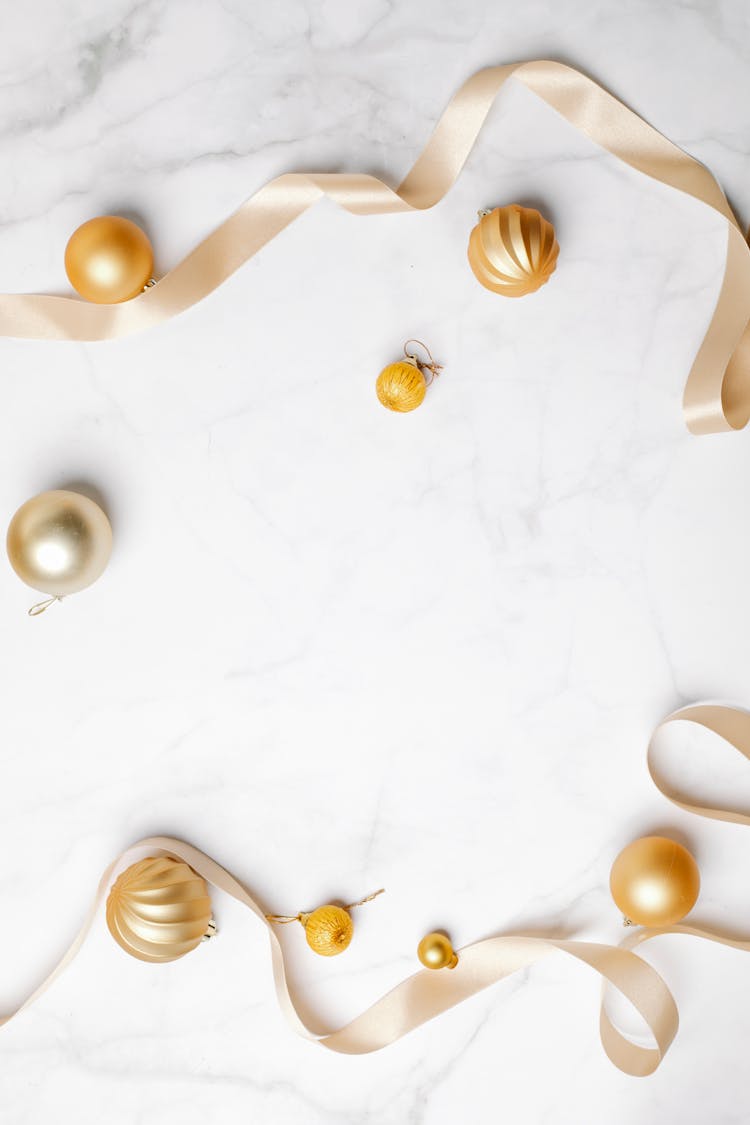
(427, 993)
(717, 392)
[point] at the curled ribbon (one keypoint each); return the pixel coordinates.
(717, 392)
(427, 994)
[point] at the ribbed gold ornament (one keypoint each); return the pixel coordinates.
(401, 386)
(159, 909)
(513, 250)
(328, 930)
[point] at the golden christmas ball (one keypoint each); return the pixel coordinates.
(654, 881)
(108, 260)
(513, 250)
(401, 386)
(159, 909)
(436, 952)
(59, 542)
(328, 930)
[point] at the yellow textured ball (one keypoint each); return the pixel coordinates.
(158, 909)
(108, 260)
(59, 542)
(436, 952)
(513, 250)
(328, 930)
(655, 881)
(401, 386)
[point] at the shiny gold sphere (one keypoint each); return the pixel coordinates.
(436, 952)
(328, 930)
(513, 250)
(158, 909)
(401, 386)
(655, 881)
(108, 260)
(59, 542)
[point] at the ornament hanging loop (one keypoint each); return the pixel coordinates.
(40, 607)
(424, 365)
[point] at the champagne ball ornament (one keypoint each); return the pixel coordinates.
(436, 952)
(59, 542)
(159, 909)
(401, 386)
(513, 250)
(655, 882)
(109, 259)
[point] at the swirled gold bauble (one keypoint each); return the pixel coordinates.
(655, 881)
(401, 386)
(109, 260)
(328, 930)
(59, 542)
(159, 909)
(513, 250)
(436, 952)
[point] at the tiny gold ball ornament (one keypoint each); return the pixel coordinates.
(436, 952)
(513, 250)
(159, 910)
(328, 930)
(401, 386)
(109, 259)
(59, 542)
(654, 881)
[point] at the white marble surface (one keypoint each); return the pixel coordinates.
(340, 649)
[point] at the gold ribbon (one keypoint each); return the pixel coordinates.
(427, 993)
(717, 392)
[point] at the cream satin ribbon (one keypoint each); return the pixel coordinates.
(717, 393)
(427, 993)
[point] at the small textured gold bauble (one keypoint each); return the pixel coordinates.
(513, 250)
(436, 952)
(328, 930)
(158, 909)
(401, 386)
(654, 881)
(109, 259)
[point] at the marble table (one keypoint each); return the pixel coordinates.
(340, 649)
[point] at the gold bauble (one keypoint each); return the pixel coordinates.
(401, 386)
(59, 542)
(328, 930)
(513, 250)
(436, 952)
(654, 881)
(159, 909)
(109, 259)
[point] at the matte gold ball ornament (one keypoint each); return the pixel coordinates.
(513, 250)
(436, 952)
(109, 259)
(655, 882)
(402, 386)
(328, 929)
(159, 909)
(59, 542)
